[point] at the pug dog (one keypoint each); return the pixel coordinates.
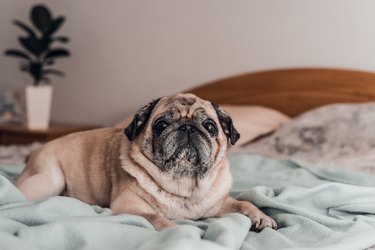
(171, 164)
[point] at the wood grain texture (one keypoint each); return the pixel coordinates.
(291, 91)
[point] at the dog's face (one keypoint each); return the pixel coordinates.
(182, 134)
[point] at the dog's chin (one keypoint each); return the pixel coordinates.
(182, 163)
(186, 160)
(183, 155)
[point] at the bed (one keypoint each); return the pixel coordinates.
(291, 91)
(316, 206)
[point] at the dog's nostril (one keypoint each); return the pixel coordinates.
(188, 128)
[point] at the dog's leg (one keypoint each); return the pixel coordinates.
(130, 203)
(41, 178)
(258, 219)
(159, 222)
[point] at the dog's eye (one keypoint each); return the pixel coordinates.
(160, 125)
(210, 126)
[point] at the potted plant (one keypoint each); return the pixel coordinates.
(37, 58)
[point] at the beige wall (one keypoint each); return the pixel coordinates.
(127, 52)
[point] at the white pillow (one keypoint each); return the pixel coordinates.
(254, 121)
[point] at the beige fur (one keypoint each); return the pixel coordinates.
(103, 167)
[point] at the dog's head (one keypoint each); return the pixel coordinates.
(182, 134)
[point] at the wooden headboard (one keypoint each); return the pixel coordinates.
(291, 91)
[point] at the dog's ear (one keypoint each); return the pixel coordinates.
(226, 124)
(139, 121)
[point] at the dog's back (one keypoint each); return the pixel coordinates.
(77, 165)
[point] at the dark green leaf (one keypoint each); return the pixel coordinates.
(53, 53)
(62, 39)
(53, 72)
(41, 17)
(45, 79)
(49, 62)
(33, 45)
(24, 27)
(17, 53)
(54, 26)
(47, 41)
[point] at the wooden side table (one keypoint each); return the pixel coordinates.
(15, 134)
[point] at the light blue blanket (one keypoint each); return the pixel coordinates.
(314, 209)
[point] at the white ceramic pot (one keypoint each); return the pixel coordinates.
(38, 106)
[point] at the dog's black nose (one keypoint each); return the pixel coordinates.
(188, 129)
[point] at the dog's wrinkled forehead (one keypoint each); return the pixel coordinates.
(185, 105)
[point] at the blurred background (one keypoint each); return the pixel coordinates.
(127, 52)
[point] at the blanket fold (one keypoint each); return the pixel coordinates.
(315, 208)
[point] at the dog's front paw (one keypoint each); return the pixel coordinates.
(159, 222)
(259, 220)
(163, 224)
